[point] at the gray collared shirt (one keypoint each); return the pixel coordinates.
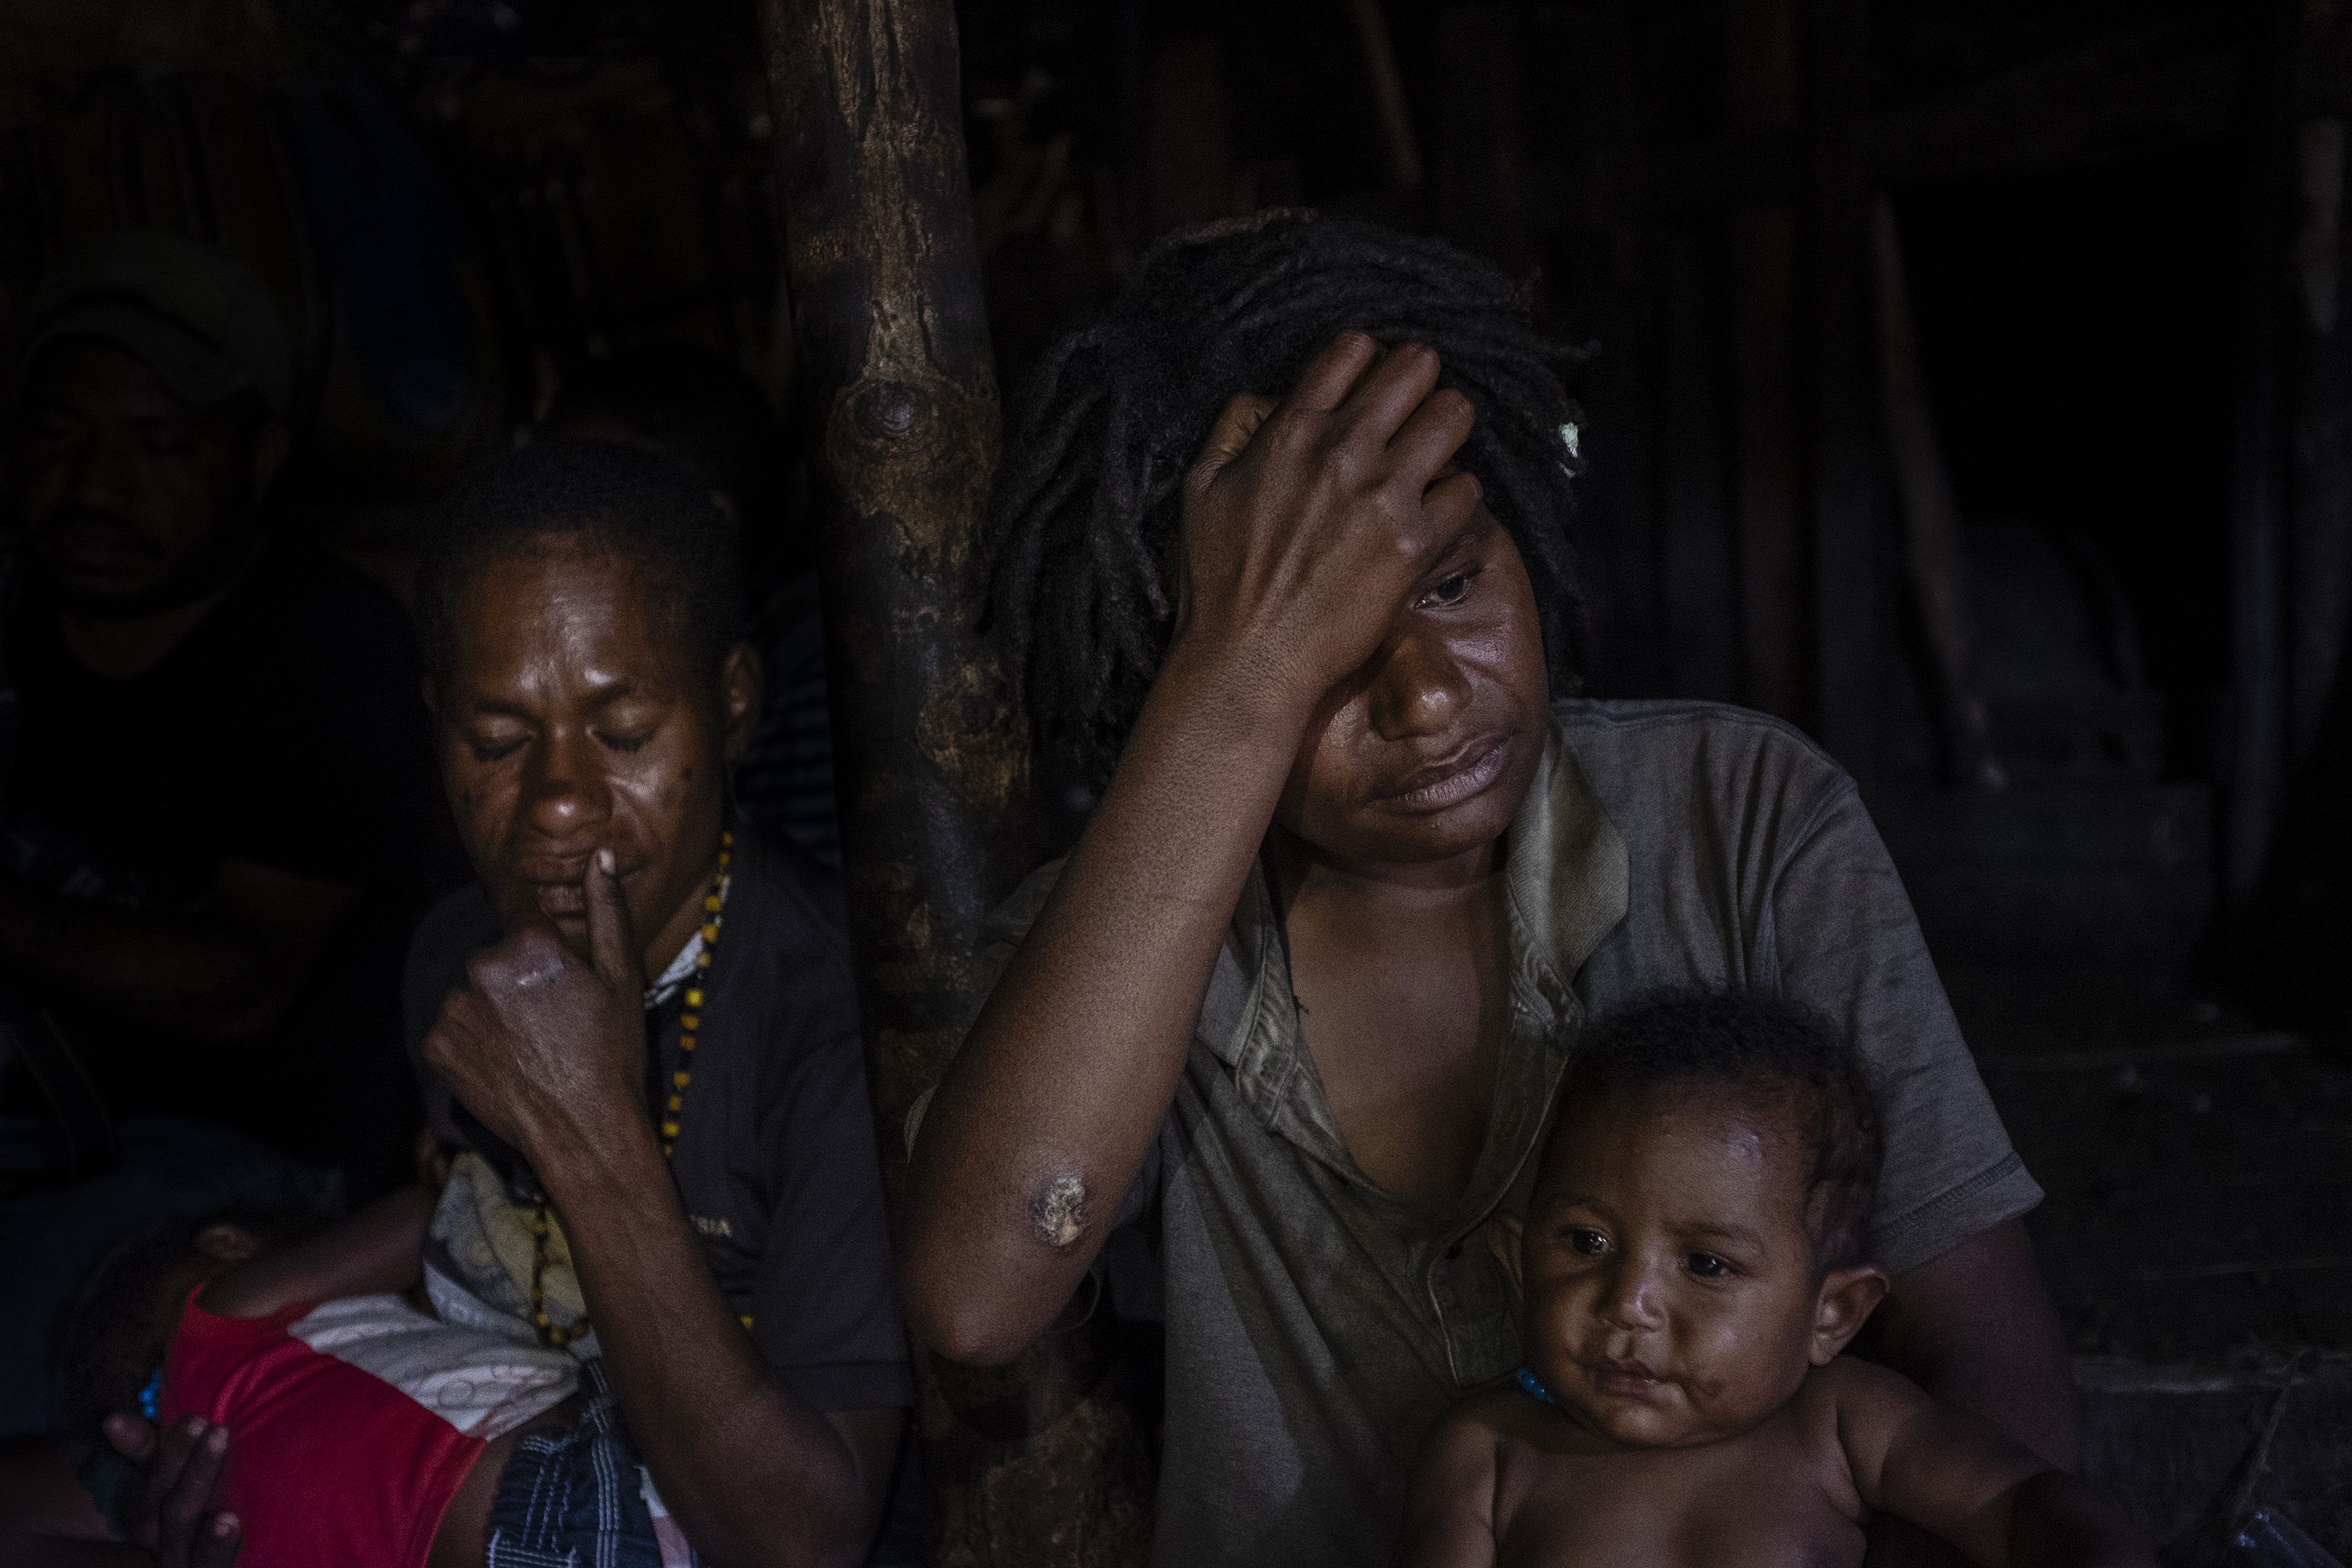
(1316, 1325)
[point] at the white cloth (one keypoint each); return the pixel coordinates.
(483, 1384)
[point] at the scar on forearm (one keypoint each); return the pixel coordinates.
(1059, 1211)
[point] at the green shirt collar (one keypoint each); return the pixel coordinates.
(1566, 873)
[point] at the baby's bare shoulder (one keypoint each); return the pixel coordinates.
(1848, 1413)
(1850, 1391)
(1861, 1412)
(1489, 1415)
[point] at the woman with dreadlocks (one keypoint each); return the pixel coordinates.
(1279, 554)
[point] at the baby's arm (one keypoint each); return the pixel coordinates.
(380, 1249)
(1449, 1509)
(1960, 1476)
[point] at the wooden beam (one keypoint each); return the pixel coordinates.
(1039, 1464)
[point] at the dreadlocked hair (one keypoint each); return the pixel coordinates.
(1081, 544)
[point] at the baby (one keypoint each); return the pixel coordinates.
(1689, 1266)
(364, 1431)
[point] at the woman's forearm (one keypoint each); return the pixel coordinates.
(1047, 1114)
(1977, 1328)
(751, 1477)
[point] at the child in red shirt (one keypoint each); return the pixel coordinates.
(366, 1432)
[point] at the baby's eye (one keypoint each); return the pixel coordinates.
(491, 749)
(1708, 1266)
(626, 742)
(1590, 1243)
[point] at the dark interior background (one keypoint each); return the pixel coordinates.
(2119, 233)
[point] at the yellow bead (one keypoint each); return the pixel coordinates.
(685, 1042)
(690, 1022)
(747, 1319)
(694, 998)
(667, 1150)
(543, 1319)
(710, 932)
(676, 1103)
(670, 1129)
(726, 836)
(712, 903)
(681, 1077)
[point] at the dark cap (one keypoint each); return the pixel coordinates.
(195, 314)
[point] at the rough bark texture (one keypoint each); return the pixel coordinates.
(1040, 1464)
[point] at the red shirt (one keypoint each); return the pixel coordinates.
(330, 1467)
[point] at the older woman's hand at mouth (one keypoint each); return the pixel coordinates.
(546, 1050)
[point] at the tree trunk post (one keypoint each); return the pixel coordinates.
(1040, 1465)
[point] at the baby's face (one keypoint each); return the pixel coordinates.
(1671, 1292)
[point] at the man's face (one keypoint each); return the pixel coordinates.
(1426, 751)
(572, 722)
(1672, 1297)
(131, 502)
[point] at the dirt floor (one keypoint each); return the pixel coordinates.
(2197, 1235)
(2198, 1169)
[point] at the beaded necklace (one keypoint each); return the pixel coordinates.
(689, 1025)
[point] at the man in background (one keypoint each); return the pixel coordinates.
(219, 800)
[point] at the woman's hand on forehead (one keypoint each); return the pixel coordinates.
(1309, 522)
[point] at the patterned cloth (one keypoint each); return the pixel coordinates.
(479, 1253)
(580, 1498)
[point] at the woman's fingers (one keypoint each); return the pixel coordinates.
(1447, 506)
(218, 1542)
(612, 945)
(1229, 437)
(176, 1446)
(1332, 374)
(132, 1436)
(1390, 392)
(1432, 437)
(188, 1496)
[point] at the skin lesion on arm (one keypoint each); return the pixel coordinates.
(1059, 1211)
